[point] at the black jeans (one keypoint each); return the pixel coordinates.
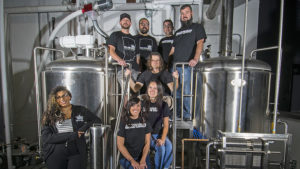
(61, 159)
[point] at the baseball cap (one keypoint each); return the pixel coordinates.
(125, 15)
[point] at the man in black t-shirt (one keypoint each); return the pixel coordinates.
(187, 47)
(165, 44)
(155, 72)
(145, 43)
(122, 47)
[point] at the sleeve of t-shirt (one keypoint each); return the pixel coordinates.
(148, 128)
(137, 44)
(166, 77)
(112, 39)
(121, 131)
(159, 48)
(154, 49)
(174, 41)
(141, 78)
(166, 110)
(200, 32)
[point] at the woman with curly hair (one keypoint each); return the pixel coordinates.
(158, 112)
(133, 138)
(63, 131)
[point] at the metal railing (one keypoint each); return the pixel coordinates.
(115, 151)
(183, 95)
(37, 89)
(191, 95)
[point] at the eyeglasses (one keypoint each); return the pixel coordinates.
(144, 24)
(63, 96)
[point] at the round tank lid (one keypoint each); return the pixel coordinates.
(229, 63)
(82, 63)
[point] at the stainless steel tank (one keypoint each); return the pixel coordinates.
(100, 147)
(85, 78)
(218, 96)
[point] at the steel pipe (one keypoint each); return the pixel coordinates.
(226, 28)
(285, 125)
(243, 65)
(262, 49)
(4, 84)
(279, 58)
(207, 154)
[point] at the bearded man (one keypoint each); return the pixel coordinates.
(145, 43)
(122, 47)
(187, 47)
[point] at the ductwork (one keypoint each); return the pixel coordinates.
(211, 11)
(226, 28)
(40, 9)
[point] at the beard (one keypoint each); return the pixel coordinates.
(187, 23)
(144, 31)
(125, 26)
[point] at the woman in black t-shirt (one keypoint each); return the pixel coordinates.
(133, 138)
(158, 112)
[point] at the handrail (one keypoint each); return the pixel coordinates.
(262, 49)
(175, 106)
(105, 83)
(115, 161)
(37, 89)
(183, 64)
(174, 121)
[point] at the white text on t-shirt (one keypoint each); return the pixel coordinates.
(135, 125)
(184, 32)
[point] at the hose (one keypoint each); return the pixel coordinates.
(54, 32)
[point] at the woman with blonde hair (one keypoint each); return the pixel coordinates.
(63, 131)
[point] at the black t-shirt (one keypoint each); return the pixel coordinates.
(185, 42)
(134, 135)
(145, 45)
(125, 47)
(164, 77)
(156, 115)
(165, 45)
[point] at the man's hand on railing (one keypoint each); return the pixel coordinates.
(122, 62)
(193, 62)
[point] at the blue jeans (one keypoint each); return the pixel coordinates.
(127, 165)
(186, 91)
(163, 154)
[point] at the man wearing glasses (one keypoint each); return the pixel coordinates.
(145, 43)
(165, 44)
